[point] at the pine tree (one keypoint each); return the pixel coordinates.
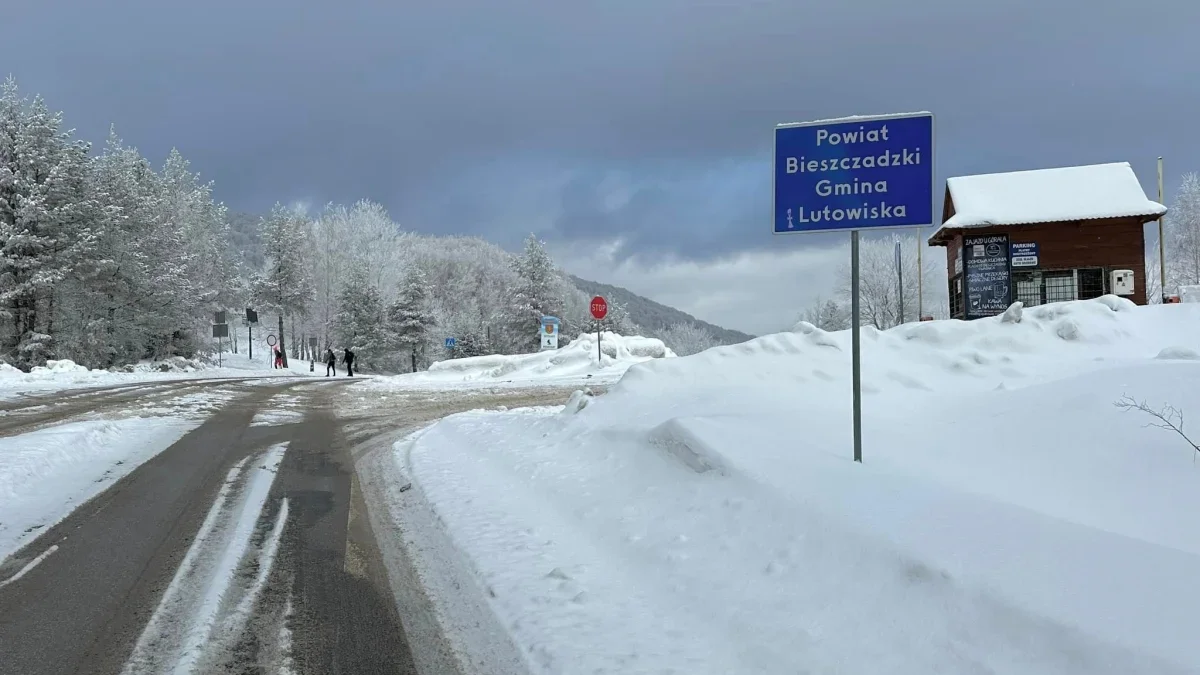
(45, 220)
(536, 296)
(285, 286)
(473, 342)
(358, 324)
(410, 320)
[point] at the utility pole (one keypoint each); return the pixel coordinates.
(1162, 255)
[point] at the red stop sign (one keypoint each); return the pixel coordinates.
(599, 308)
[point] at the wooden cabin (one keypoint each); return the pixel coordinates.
(1042, 236)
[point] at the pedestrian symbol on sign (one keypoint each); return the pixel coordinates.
(450, 343)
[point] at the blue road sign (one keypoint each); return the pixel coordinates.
(858, 173)
(450, 342)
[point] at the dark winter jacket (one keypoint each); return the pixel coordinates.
(329, 357)
(348, 358)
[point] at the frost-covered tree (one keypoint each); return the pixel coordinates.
(359, 321)
(828, 315)
(472, 343)
(132, 285)
(328, 263)
(879, 291)
(1153, 278)
(285, 285)
(410, 320)
(46, 221)
(686, 339)
(1183, 234)
(536, 296)
(204, 230)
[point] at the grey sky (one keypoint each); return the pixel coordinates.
(643, 121)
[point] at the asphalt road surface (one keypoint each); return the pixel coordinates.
(245, 547)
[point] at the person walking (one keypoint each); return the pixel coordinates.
(278, 357)
(348, 359)
(330, 362)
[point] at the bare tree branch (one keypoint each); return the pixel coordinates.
(1168, 417)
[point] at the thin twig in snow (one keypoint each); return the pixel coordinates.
(1168, 417)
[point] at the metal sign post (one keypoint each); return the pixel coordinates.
(220, 331)
(851, 174)
(251, 319)
(855, 349)
(920, 279)
(1162, 249)
(599, 311)
(900, 279)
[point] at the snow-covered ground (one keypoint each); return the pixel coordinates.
(705, 515)
(576, 363)
(66, 374)
(46, 474)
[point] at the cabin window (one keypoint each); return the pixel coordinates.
(1091, 282)
(957, 310)
(1040, 287)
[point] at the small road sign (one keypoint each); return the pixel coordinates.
(271, 340)
(220, 330)
(599, 308)
(450, 342)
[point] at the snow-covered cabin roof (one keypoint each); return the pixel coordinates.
(1048, 195)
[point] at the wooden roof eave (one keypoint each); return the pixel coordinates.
(944, 235)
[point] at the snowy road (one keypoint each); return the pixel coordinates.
(245, 546)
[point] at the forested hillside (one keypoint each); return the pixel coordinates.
(106, 259)
(655, 317)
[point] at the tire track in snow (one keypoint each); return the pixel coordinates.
(209, 601)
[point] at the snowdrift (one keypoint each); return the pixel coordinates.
(65, 374)
(578, 360)
(705, 515)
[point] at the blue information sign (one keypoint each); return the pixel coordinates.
(855, 173)
(450, 343)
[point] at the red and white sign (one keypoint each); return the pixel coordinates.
(599, 308)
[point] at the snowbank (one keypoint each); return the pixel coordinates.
(705, 517)
(46, 474)
(578, 361)
(66, 374)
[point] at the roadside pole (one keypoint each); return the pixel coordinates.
(599, 309)
(920, 279)
(855, 348)
(900, 279)
(1162, 249)
(251, 319)
(853, 174)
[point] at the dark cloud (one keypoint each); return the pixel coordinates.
(497, 118)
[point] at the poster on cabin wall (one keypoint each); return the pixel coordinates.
(986, 259)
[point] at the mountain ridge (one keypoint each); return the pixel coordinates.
(655, 316)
